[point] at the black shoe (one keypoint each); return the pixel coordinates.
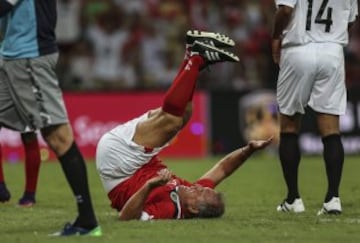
(211, 38)
(212, 54)
(4, 193)
(27, 200)
(71, 230)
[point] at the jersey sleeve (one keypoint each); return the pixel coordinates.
(159, 210)
(289, 3)
(353, 11)
(206, 183)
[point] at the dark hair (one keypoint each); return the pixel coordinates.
(213, 209)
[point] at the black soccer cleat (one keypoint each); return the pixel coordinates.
(27, 200)
(211, 38)
(72, 230)
(4, 193)
(212, 54)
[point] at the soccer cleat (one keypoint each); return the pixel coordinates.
(212, 54)
(297, 206)
(26, 202)
(331, 207)
(211, 38)
(71, 230)
(4, 193)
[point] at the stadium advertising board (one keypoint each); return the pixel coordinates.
(253, 115)
(92, 114)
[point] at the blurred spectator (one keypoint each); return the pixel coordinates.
(80, 68)
(68, 32)
(121, 44)
(108, 36)
(68, 28)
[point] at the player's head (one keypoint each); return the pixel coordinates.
(201, 202)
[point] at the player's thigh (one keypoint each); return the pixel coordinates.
(59, 137)
(118, 157)
(329, 91)
(44, 77)
(295, 80)
(9, 117)
(158, 130)
(35, 91)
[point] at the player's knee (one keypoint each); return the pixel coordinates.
(328, 124)
(290, 124)
(328, 130)
(59, 138)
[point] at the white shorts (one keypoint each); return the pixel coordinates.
(118, 157)
(314, 75)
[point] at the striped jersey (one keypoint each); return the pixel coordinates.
(28, 30)
(319, 21)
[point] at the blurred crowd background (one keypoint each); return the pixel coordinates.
(139, 44)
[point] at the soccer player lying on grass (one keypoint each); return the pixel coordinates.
(138, 184)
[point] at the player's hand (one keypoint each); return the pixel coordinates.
(276, 50)
(163, 177)
(259, 144)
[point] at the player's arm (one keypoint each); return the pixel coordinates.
(354, 14)
(6, 6)
(351, 24)
(282, 20)
(231, 162)
(133, 208)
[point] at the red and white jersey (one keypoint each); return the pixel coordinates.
(163, 202)
(319, 21)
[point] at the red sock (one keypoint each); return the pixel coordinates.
(182, 88)
(32, 165)
(2, 179)
(185, 61)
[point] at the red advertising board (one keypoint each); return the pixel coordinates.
(92, 114)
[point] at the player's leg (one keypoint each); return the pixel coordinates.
(333, 155)
(167, 121)
(289, 153)
(293, 91)
(4, 192)
(5, 118)
(329, 106)
(40, 105)
(32, 167)
(182, 89)
(176, 108)
(61, 141)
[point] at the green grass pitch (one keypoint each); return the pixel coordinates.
(251, 194)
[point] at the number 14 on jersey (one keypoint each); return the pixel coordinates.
(319, 16)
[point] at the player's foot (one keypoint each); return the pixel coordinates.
(212, 54)
(27, 201)
(297, 206)
(331, 207)
(4, 193)
(211, 38)
(71, 230)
